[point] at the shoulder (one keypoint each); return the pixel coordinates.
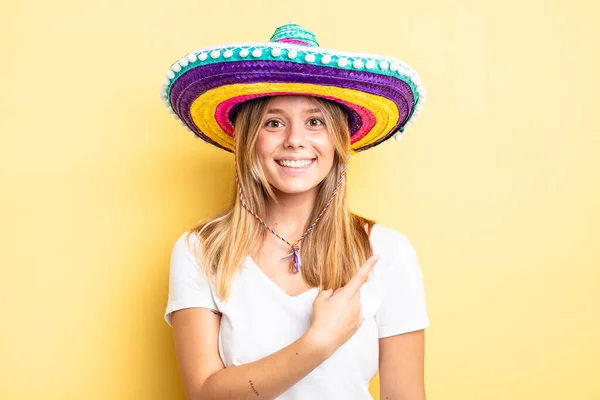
(185, 250)
(187, 242)
(397, 254)
(388, 240)
(186, 263)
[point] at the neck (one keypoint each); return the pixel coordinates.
(289, 215)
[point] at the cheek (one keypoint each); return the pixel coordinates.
(265, 145)
(325, 146)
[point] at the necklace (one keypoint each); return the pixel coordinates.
(295, 254)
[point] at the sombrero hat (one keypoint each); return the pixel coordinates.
(381, 95)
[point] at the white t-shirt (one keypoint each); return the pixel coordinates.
(259, 318)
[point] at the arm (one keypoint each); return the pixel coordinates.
(336, 317)
(204, 376)
(401, 366)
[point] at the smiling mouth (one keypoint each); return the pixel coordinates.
(299, 164)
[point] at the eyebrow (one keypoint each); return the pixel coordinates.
(307, 111)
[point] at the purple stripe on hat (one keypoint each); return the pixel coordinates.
(189, 86)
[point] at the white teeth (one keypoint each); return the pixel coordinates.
(295, 163)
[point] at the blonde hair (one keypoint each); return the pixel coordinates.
(335, 248)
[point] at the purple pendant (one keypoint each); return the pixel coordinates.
(296, 261)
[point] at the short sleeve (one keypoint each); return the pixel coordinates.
(403, 308)
(188, 284)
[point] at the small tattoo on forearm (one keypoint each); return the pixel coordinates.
(253, 388)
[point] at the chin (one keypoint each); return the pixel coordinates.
(295, 189)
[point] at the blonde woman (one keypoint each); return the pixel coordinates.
(288, 294)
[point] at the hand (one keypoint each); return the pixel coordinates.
(337, 316)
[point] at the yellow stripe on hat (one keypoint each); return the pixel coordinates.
(203, 109)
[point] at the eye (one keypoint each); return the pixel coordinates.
(315, 122)
(273, 124)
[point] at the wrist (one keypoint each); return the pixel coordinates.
(318, 344)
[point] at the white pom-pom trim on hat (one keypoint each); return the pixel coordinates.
(397, 67)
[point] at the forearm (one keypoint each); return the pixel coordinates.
(266, 378)
(416, 394)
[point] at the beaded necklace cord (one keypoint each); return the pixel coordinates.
(295, 254)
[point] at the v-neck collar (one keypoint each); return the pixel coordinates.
(250, 262)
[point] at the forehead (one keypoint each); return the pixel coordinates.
(293, 103)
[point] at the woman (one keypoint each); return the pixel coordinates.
(253, 314)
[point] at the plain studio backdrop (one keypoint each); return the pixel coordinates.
(496, 185)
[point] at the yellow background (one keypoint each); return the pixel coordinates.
(496, 185)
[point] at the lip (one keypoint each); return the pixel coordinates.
(290, 170)
(295, 158)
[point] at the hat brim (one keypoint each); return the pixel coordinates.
(204, 94)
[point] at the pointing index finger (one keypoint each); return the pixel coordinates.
(361, 275)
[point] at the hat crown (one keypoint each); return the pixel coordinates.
(294, 34)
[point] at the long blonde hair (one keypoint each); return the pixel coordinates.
(331, 253)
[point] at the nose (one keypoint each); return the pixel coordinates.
(295, 136)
